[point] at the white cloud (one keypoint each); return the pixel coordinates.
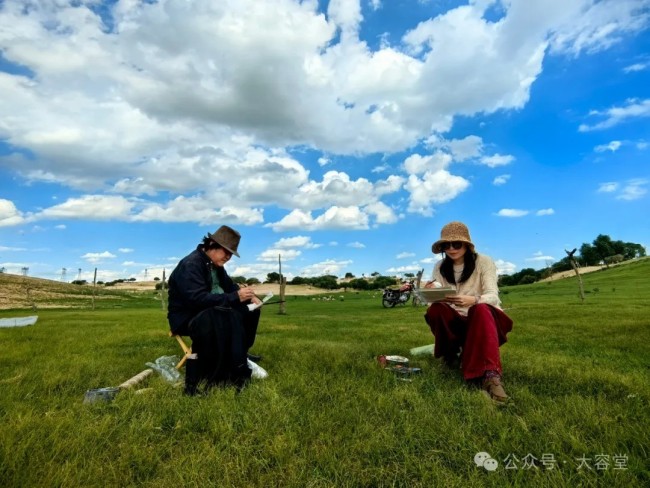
(92, 207)
(438, 187)
(608, 187)
(466, 148)
(356, 245)
(497, 160)
(591, 25)
(9, 214)
(539, 257)
(333, 218)
(329, 266)
(500, 180)
(633, 189)
(505, 267)
(296, 241)
(271, 255)
(636, 67)
(11, 249)
(97, 257)
(416, 164)
(616, 115)
(382, 213)
(125, 250)
(408, 268)
(512, 212)
(613, 146)
(404, 255)
(132, 111)
(545, 211)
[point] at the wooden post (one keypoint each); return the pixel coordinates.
(574, 265)
(283, 284)
(418, 280)
(94, 285)
(163, 290)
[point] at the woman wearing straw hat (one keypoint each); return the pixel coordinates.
(470, 325)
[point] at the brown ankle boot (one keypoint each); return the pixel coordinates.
(494, 389)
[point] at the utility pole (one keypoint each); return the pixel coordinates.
(63, 271)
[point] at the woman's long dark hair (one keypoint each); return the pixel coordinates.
(447, 267)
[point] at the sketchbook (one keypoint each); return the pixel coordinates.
(253, 306)
(434, 294)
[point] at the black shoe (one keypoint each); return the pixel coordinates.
(254, 358)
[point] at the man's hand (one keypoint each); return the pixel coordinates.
(246, 295)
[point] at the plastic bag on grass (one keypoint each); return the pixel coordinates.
(166, 366)
(422, 350)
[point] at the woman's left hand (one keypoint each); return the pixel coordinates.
(464, 301)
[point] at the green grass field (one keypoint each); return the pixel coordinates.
(328, 415)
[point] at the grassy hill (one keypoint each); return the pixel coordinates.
(328, 415)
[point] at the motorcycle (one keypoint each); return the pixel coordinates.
(401, 295)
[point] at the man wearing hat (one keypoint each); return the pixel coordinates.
(207, 305)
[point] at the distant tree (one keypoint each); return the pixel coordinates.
(162, 286)
(604, 246)
(239, 279)
(273, 278)
(359, 284)
(79, 282)
(632, 250)
(409, 275)
(348, 275)
(527, 279)
(156, 278)
(299, 280)
(252, 281)
(383, 282)
(589, 255)
(375, 274)
(328, 282)
(131, 279)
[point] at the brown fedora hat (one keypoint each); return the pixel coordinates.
(453, 231)
(227, 238)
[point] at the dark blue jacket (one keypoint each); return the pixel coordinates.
(189, 290)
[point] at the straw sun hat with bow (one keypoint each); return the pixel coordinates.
(453, 232)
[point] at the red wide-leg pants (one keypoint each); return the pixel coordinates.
(479, 335)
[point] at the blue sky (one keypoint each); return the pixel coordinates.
(340, 135)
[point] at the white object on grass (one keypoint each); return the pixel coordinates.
(422, 350)
(18, 321)
(258, 372)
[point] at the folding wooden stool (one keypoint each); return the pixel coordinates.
(187, 350)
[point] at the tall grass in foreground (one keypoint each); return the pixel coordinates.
(327, 415)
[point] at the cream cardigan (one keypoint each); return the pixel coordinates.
(482, 283)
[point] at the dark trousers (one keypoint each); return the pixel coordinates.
(221, 338)
(479, 335)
